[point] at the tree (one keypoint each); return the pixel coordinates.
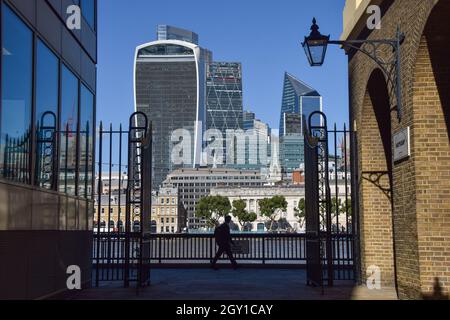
(211, 208)
(270, 208)
(300, 212)
(239, 212)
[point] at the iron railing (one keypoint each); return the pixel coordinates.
(189, 250)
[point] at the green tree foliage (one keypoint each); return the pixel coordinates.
(212, 208)
(300, 212)
(270, 208)
(239, 212)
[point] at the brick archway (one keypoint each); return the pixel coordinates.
(431, 151)
(376, 180)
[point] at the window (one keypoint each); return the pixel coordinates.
(68, 138)
(86, 142)
(16, 106)
(88, 12)
(47, 70)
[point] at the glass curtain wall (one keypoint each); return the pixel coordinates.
(17, 91)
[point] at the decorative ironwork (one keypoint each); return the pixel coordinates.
(327, 217)
(117, 255)
(46, 151)
(391, 66)
(376, 177)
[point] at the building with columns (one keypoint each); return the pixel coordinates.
(292, 194)
(404, 202)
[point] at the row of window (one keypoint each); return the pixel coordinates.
(54, 117)
(217, 178)
(167, 220)
(168, 200)
(164, 211)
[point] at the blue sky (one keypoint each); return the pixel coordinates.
(264, 36)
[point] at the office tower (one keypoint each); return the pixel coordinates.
(299, 102)
(224, 99)
(248, 120)
(170, 88)
(165, 32)
(299, 98)
(48, 77)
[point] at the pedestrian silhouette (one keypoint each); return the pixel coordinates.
(224, 242)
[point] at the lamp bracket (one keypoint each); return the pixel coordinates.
(391, 67)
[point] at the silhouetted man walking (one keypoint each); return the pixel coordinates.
(224, 241)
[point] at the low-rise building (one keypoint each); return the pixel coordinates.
(195, 184)
(293, 194)
(168, 213)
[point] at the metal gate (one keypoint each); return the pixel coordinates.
(123, 203)
(330, 204)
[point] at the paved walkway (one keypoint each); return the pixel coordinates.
(227, 284)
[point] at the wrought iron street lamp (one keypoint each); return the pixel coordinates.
(316, 44)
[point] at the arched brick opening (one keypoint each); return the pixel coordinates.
(375, 188)
(431, 151)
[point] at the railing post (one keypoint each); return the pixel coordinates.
(211, 251)
(160, 250)
(264, 249)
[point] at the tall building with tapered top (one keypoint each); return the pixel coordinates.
(299, 102)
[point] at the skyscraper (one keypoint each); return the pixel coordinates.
(169, 80)
(298, 98)
(299, 102)
(224, 98)
(248, 120)
(165, 32)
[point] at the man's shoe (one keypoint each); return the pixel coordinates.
(236, 266)
(214, 267)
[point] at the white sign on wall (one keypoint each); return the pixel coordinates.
(402, 144)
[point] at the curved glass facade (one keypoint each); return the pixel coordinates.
(165, 50)
(166, 91)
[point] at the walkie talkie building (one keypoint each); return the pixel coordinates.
(169, 86)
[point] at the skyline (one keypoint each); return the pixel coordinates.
(262, 82)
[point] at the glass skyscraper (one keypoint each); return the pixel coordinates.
(299, 102)
(249, 120)
(224, 98)
(170, 79)
(166, 32)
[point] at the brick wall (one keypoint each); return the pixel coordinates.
(421, 184)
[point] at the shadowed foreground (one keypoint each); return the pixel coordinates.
(227, 284)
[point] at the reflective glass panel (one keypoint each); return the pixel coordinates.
(16, 107)
(88, 12)
(68, 137)
(46, 115)
(86, 142)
